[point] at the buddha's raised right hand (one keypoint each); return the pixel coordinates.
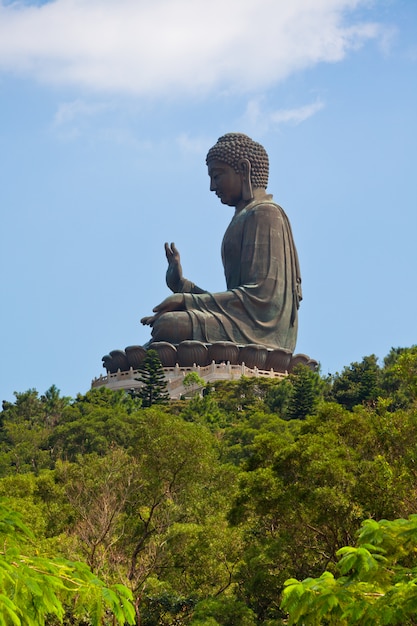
(174, 276)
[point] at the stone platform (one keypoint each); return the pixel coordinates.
(175, 377)
(217, 361)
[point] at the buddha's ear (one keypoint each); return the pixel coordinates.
(245, 171)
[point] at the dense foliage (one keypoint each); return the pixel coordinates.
(203, 508)
(377, 582)
(34, 587)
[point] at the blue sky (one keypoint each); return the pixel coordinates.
(107, 110)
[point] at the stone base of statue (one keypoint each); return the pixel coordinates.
(222, 360)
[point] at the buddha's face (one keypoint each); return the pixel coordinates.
(225, 182)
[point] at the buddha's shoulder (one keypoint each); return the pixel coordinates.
(266, 207)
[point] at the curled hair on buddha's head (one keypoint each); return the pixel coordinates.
(233, 147)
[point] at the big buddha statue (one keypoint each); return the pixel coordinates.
(252, 322)
(263, 282)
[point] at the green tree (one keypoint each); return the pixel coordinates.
(42, 504)
(357, 384)
(399, 378)
(54, 405)
(192, 379)
(98, 489)
(154, 385)
(25, 428)
(238, 397)
(300, 501)
(154, 511)
(278, 397)
(256, 439)
(177, 469)
(307, 391)
(95, 422)
(204, 410)
(34, 587)
(376, 582)
(223, 611)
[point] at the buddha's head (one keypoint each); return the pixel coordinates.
(236, 149)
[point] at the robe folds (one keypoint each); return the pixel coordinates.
(263, 283)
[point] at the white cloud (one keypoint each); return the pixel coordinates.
(72, 118)
(259, 119)
(176, 48)
(79, 117)
(296, 116)
(68, 112)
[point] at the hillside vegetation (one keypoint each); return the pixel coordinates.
(247, 505)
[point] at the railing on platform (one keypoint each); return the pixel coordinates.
(175, 376)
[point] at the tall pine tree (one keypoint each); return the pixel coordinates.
(307, 390)
(154, 389)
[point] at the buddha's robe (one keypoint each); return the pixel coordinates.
(263, 283)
